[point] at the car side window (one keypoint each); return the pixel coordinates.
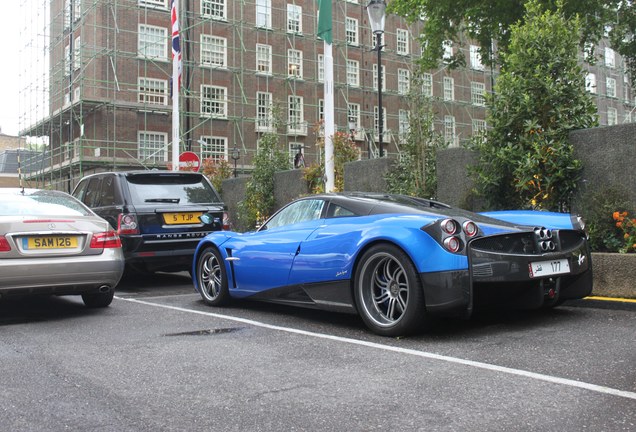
(91, 198)
(336, 211)
(299, 211)
(80, 191)
(108, 195)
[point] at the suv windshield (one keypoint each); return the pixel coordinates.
(171, 189)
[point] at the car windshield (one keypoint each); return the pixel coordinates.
(41, 204)
(171, 189)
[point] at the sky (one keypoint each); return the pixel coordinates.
(9, 83)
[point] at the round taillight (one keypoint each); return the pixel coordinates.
(449, 226)
(453, 244)
(470, 228)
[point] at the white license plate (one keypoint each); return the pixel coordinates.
(549, 268)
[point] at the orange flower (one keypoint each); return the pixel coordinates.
(616, 215)
(619, 224)
(626, 236)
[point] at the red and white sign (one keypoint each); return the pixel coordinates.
(189, 161)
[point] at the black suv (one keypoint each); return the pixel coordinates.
(156, 214)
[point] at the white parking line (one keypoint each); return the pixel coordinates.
(423, 354)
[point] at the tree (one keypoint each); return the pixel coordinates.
(526, 159)
(414, 172)
(489, 21)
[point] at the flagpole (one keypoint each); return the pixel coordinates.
(176, 84)
(329, 116)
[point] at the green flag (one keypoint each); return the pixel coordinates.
(324, 21)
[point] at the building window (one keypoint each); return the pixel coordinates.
(610, 87)
(213, 51)
(152, 42)
(77, 53)
(153, 91)
(626, 90)
(612, 116)
(214, 101)
(264, 13)
(590, 83)
(294, 63)
(152, 147)
(374, 40)
(376, 123)
(214, 148)
(353, 115)
(403, 124)
(404, 81)
(264, 59)
(353, 73)
(154, 3)
(67, 14)
(295, 116)
(321, 68)
(449, 131)
(427, 84)
(321, 112)
(448, 50)
(351, 31)
(477, 91)
(479, 126)
(475, 58)
(610, 57)
(67, 61)
(375, 77)
(294, 19)
(264, 121)
(402, 43)
(449, 88)
(214, 9)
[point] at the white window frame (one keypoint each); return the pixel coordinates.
(612, 116)
(213, 147)
(477, 93)
(447, 46)
(479, 126)
(263, 59)
(295, 63)
(404, 126)
(77, 53)
(402, 42)
(214, 107)
(475, 58)
(427, 84)
(610, 57)
(153, 46)
(264, 114)
(385, 129)
(449, 88)
(160, 4)
(67, 60)
(353, 73)
(351, 31)
(321, 68)
(590, 83)
(404, 81)
(264, 14)
(214, 9)
(375, 77)
(610, 87)
(158, 154)
(450, 131)
(294, 19)
(152, 91)
(353, 114)
(213, 51)
(296, 124)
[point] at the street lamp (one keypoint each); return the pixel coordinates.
(377, 14)
(236, 155)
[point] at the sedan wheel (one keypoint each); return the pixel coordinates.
(212, 277)
(98, 299)
(388, 292)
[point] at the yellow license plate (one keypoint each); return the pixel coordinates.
(182, 218)
(51, 242)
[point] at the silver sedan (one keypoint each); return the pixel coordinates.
(50, 243)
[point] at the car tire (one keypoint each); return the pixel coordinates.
(98, 299)
(212, 277)
(388, 291)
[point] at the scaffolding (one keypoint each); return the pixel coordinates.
(96, 84)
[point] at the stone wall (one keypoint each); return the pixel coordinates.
(367, 175)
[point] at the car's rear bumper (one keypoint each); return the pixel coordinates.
(495, 278)
(61, 275)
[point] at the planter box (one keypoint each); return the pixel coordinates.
(614, 275)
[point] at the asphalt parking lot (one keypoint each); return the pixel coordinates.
(159, 359)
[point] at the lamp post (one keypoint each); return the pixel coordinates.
(377, 13)
(236, 154)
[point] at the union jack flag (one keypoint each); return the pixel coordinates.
(176, 46)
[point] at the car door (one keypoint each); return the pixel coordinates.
(262, 260)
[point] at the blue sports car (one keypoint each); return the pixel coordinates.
(397, 260)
